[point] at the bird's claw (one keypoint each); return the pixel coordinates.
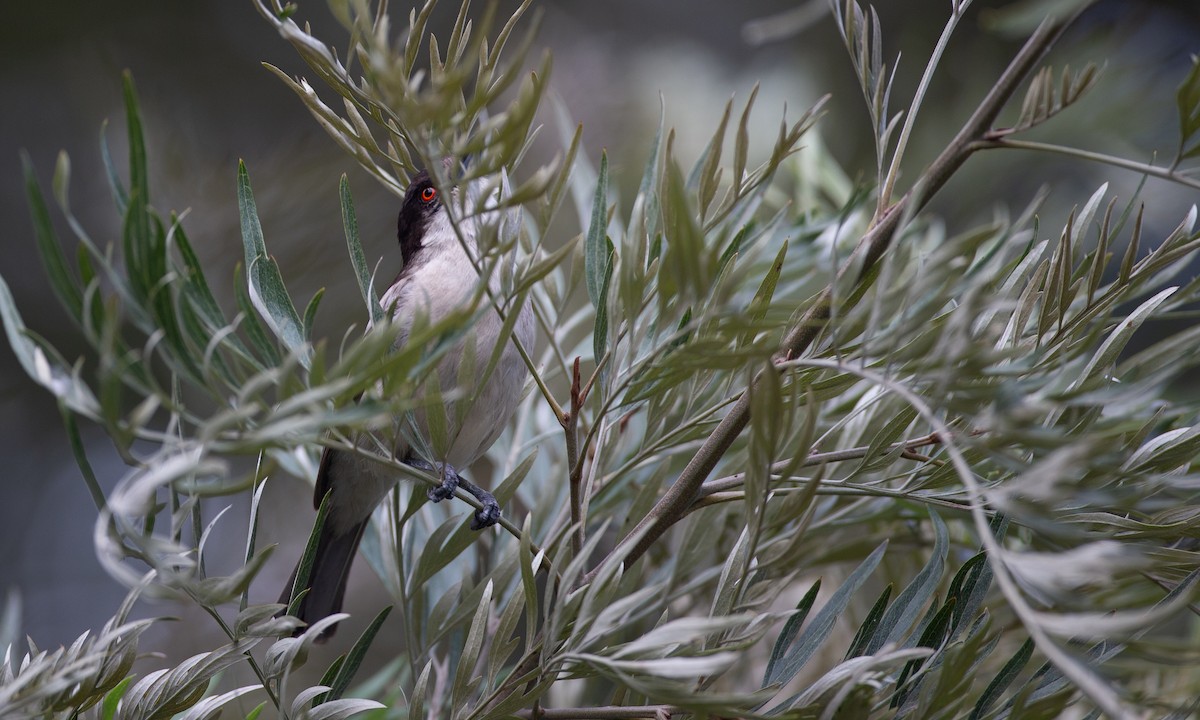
(449, 475)
(489, 514)
(485, 517)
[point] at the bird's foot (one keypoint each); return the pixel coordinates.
(449, 476)
(489, 514)
(485, 517)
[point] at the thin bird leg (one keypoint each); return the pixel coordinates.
(486, 517)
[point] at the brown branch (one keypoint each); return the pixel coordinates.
(1158, 171)
(610, 712)
(570, 424)
(674, 504)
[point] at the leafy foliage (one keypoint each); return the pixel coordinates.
(765, 388)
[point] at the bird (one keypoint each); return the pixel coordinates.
(437, 278)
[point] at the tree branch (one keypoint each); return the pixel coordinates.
(674, 504)
(610, 712)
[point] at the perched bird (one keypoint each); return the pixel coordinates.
(438, 278)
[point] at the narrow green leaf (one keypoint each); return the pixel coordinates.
(504, 339)
(742, 143)
(735, 245)
(648, 187)
(903, 613)
(199, 311)
(193, 276)
(868, 631)
(417, 23)
(112, 698)
(731, 583)
(1187, 100)
(438, 553)
(304, 568)
(1131, 250)
(254, 330)
(458, 34)
(220, 590)
(705, 169)
(139, 181)
(880, 451)
(1108, 352)
(529, 564)
(791, 628)
(416, 702)
(541, 268)
(175, 349)
(1003, 679)
(465, 671)
(761, 302)
(252, 525)
(933, 637)
(354, 658)
(655, 250)
(310, 313)
(362, 271)
(267, 291)
(505, 638)
(120, 196)
(683, 272)
(817, 632)
(81, 459)
(48, 371)
(138, 242)
(327, 679)
(594, 260)
(53, 258)
(600, 329)
(962, 587)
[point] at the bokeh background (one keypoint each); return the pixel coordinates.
(207, 102)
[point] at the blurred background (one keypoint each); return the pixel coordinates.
(207, 102)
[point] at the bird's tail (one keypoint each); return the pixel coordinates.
(327, 581)
(326, 586)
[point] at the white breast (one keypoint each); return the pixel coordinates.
(442, 281)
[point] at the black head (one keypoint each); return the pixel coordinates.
(422, 201)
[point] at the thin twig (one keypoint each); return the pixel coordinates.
(1158, 171)
(570, 424)
(833, 487)
(607, 712)
(730, 482)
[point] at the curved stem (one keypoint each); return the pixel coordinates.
(1158, 171)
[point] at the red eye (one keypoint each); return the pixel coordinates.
(428, 194)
